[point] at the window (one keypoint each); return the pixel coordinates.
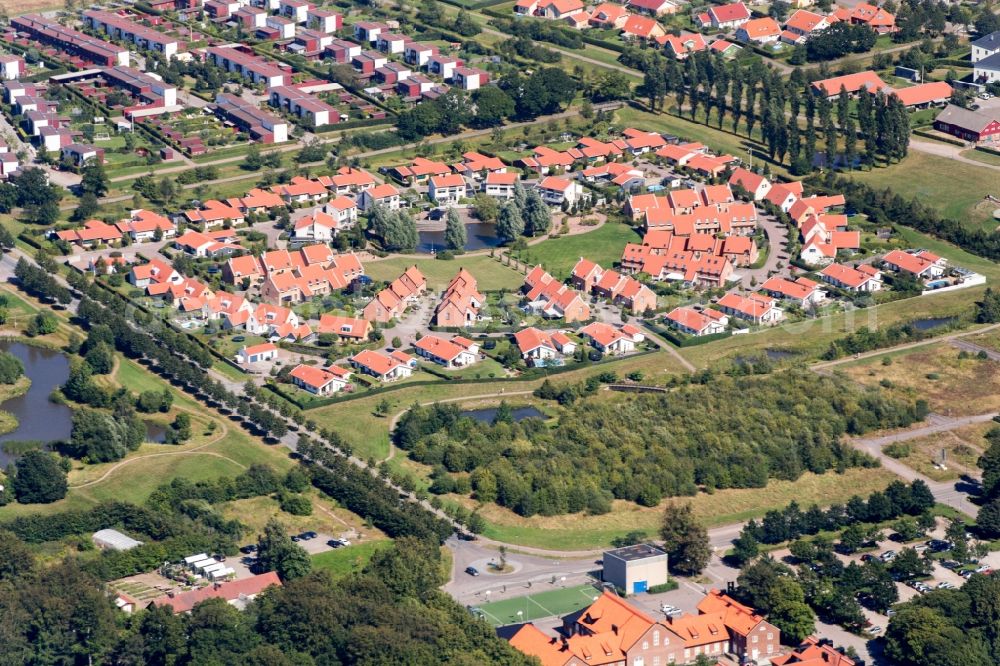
(755, 639)
(770, 636)
(645, 645)
(656, 638)
(656, 661)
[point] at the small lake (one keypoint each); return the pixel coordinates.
(38, 417)
(488, 414)
(155, 432)
(479, 236)
(933, 322)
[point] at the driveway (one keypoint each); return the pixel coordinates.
(777, 241)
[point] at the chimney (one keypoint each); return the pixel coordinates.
(614, 628)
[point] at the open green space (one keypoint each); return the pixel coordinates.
(340, 562)
(603, 245)
(723, 507)
(955, 189)
(490, 273)
(551, 603)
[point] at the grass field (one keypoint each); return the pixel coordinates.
(340, 562)
(490, 273)
(603, 245)
(954, 188)
(550, 603)
(579, 531)
(951, 385)
(962, 448)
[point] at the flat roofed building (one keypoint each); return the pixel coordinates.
(635, 568)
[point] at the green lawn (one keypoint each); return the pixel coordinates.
(489, 272)
(340, 562)
(954, 188)
(603, 245)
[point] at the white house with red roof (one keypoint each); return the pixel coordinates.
(757, 185)
(609, 15)
(690, 321)
(754, 307)
(682, 45)
(555, 190)
(862, 278)
(801, 291)
(386, 367)
(316, 227)
(458, 352)
(266, 351)
(918, 263)
(381, 195)
(724, 17)
(447, 190)
(763, 30)
(500, 185)
(320, 381)
(538, 345)
(608, 339)
(642, 28)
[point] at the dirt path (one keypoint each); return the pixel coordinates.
(197, 450)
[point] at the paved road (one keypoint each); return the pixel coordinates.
(955, 495)
(972, 347)
(777, 241)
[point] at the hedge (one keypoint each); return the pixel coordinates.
(937, 137)
(353, 124)
(526, 376)
(685, 341)
(991, 151)
(611, 46)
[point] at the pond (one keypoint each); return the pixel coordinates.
(479, 236)
(155, 432)
(38, 418)
(487, 414)
(933, 322)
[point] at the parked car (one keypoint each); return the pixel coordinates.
(309, 535)
(939, 545)
(887, 555)
(950, 564)
(249, 548)
(472, 571)
(945, 585)
(875, 631)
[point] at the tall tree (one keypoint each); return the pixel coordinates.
(685, 540)
(510, 225)
(454, 231)
(537, 216)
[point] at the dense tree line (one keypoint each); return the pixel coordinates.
(988, 520)
(40, 282)
(363, 493)
(958, 627)
(792, 522)
(838, 40)
(515, 97)
(395, 228)
(736, 433)
(390, 612)
(865, 339)
(806, 129)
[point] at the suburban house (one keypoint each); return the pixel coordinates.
(920, 264)
(266, 351)
(455, 353)
(863, 278)
(393, 300)
(724, 17)
(447, 190)
(985, 46)
(318, 227)
(759, 31)
(755, 308)
(697, 322)
(867, 81)
(608, 339)
(460, 303)
(246, 267)
(863, 13)
(346, 328)
(801, 291)
(538, 345)
(642, 28)
(556, 191)
(500, 185)
(381, 195)
(386, 367)
(551, 298)
(320, 381)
